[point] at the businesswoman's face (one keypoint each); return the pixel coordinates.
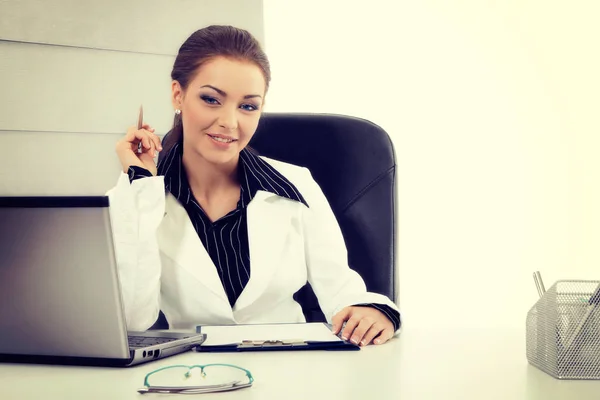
(220, 108)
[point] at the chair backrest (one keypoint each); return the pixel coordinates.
(353, 162)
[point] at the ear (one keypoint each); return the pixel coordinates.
(176, 95)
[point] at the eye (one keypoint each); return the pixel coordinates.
(249, 107)
(209, 100)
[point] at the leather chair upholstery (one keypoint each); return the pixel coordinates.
(354, 163)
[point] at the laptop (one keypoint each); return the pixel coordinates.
(60, 299)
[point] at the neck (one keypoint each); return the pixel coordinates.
(205, 178)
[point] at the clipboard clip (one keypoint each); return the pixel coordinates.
(272, 343)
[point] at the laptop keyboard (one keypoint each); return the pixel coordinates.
(137, 342)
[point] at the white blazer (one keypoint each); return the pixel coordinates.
(163, 265)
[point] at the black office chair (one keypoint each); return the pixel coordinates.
(354, 163)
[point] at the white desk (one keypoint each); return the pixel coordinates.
(420, 364)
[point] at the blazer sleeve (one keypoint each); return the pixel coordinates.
(136, 210)
(335, 284)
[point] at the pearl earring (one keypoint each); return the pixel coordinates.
(177, 111)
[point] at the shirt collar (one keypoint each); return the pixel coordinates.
(254, 174)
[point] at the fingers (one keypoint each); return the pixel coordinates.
(361, 329)
(138, 147)
(363, 325)
(148, 128)
(338, 320)
(384, 336)
(371, 333)
(153, 136)
(135, 136)
(351, 324)
(148, 140)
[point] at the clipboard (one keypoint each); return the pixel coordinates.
(271, 342)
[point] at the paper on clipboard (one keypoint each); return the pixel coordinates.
(218, 335)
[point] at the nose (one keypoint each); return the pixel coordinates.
(228, 118)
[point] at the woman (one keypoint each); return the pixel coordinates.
(216, 234)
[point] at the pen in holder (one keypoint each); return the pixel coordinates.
(563, 330)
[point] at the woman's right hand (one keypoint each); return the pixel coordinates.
(127, 148)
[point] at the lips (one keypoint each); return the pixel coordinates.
(221, 138)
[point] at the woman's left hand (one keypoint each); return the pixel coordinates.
(363, 325)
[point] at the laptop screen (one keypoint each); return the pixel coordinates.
(59, 292)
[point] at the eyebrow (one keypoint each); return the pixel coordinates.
(222, 93)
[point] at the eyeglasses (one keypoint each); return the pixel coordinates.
(191, 379)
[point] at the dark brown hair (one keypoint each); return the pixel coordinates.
(204, 45)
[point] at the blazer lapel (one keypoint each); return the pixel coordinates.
(181, 243)
(268, 219)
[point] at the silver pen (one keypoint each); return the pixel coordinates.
(592, 305)
(139, 126)
(539, 284)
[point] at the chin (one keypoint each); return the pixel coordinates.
(218, 157)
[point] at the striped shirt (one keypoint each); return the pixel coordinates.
(226, 239)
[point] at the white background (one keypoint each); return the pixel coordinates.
(494, 110)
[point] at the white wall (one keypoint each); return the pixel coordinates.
(73, 74)
(493, 109)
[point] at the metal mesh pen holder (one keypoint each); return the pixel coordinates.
(563, 331)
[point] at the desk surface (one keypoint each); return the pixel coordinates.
(419, 364)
